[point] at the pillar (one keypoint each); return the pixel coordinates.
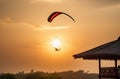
(99, 68)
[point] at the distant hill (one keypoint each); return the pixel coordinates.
(57, 75)
(77, 75)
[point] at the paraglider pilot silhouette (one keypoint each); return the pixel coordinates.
(57, 49)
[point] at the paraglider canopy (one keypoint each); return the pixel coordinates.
(54, 14)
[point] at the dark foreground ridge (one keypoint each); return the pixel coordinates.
(56, 75)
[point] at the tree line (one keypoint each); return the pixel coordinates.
(56, 75)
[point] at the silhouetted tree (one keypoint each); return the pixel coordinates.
(7, 76)
(32, 70)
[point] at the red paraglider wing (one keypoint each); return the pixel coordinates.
(54, 14)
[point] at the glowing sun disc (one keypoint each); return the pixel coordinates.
(56, 43)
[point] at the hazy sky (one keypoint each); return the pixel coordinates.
(26, 36)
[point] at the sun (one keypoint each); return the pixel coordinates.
(56, 43)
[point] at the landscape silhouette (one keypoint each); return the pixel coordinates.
(45, 75)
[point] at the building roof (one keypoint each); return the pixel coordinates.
(108, 51)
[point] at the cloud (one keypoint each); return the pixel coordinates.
(113, 7)
(5, 20)
(103, 3)
(48, 27)
(11, 22)
(50, 1)
(96, 4)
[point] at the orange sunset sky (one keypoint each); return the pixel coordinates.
(26, 36)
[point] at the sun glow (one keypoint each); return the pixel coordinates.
(56, 43)
(52, 1)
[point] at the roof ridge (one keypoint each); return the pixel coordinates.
(119, 38)
(110, 44)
